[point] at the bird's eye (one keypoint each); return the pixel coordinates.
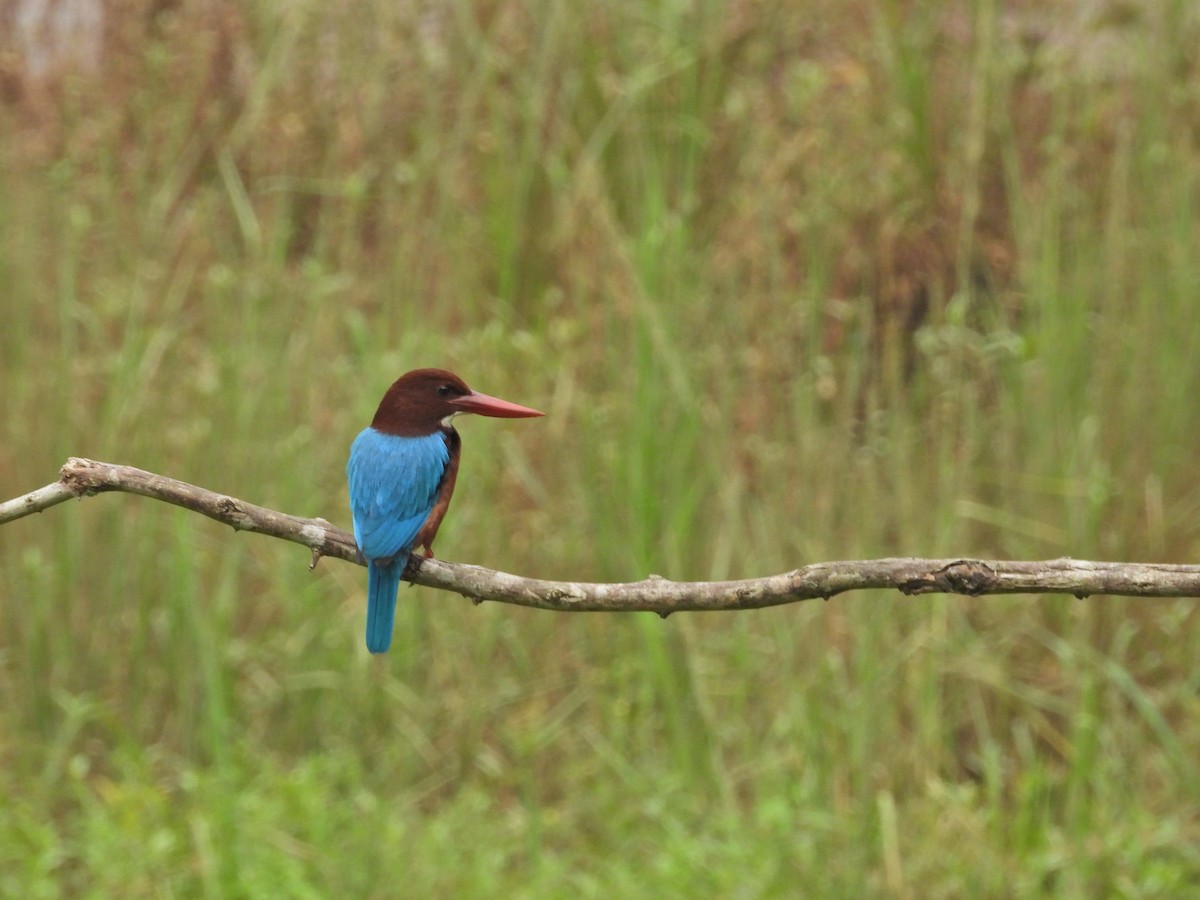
(445, 390)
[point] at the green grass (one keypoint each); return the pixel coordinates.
(792, 284)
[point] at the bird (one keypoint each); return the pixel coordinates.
(401, 473)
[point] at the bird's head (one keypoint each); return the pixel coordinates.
(421, 401)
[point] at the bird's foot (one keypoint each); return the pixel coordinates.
(413, 565)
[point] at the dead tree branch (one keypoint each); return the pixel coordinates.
(973, 577)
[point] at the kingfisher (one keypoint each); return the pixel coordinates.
(401, 472)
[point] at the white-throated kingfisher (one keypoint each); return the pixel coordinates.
(401, 472)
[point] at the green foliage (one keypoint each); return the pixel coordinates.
(793, 282)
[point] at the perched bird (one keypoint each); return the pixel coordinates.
(401, 472)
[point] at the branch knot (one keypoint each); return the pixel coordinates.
(971, 577)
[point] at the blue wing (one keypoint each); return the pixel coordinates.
(393, 486)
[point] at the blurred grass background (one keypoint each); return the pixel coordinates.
(794, 282)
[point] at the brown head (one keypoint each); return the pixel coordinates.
(422, 401)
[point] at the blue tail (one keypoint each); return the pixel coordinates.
(383, 581)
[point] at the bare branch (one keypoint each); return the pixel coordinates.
(84, 477)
